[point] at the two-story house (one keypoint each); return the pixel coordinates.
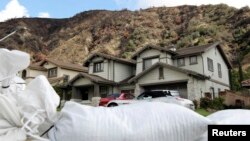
(57, 72)
(105, 74)
(193, 71)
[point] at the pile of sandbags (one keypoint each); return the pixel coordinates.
(23, 111)
(149, 121)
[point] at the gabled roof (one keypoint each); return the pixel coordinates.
(196, 50)
(160, 64)
(245, 83)
(152, 47)
(94, 78)
(37, 67)
(65, 65)
(110, 57)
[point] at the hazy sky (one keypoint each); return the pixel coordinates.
(68, 8)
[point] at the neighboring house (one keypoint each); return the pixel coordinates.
(57, 72)
(105, 75)
(194, 72)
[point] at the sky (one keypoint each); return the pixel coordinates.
(68, 8)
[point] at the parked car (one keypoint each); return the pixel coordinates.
(116, 96)
(157, 96)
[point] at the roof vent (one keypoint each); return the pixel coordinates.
(172, 48)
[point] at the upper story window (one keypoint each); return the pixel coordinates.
(98, 67)
(193, 60)
(181, 62)
(52, 72)
(219, 70)
(210, 64)
(148, 62)
(161, 73)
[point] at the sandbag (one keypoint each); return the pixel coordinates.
(11, 62)
(228, 117)
(150, 121)
(20, 118)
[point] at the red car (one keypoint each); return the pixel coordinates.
(122, 96)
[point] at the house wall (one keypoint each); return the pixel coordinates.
(164, 57)
(49, 65)
(81, 82)
(194, 67)
(122, 71)
(106, 67)
(61, 72)
(169, 75)
(216, 86)
(112, 70)
(215, 55)
(31, 74)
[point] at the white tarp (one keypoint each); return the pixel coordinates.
(11, 62)
(228, 117)
(149, 121)
(21, 117)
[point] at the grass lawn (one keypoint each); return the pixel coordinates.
(202, 112)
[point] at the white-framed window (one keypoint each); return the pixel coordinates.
(98, 67)
(193, 60)
(148, 62)
(219, 70)
(210, 64)
(52, 72)
(181, 62)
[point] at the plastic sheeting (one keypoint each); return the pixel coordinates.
(21, 117)
(150, 121)
(227, 117)
(11, 62)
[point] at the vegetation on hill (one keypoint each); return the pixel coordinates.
(121, 33)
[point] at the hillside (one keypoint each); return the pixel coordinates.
(120, 33)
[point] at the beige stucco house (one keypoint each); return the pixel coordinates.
(194, 72)
(57, 72)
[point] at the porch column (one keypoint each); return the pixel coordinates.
(96, 90)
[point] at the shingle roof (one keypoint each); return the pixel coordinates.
(37, 67)
(246, 83)
(56, 79)
(121, 60)
(94, 78)
(189, 72)
(195, 50)
(151, 47)
(65, 65)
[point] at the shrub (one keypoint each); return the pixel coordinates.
(216, 103)
(205, 102)
(195, 103)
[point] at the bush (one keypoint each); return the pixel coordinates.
(205, 102)
(216, 103)
(195, 103)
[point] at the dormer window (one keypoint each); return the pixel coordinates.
(52, 72)
(181, 62)
(148, 62)
(98, 67)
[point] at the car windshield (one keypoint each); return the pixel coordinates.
(113, 96)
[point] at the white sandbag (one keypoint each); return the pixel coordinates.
(136, 122)
(11, 62)
(22, 117)
(39, 94)
(228, 117)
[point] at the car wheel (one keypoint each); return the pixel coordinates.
(112, 105)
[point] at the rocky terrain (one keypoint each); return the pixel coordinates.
(122, 32)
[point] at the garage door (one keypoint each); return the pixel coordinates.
(181, 87)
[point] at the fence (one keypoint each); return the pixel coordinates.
(233, 99)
